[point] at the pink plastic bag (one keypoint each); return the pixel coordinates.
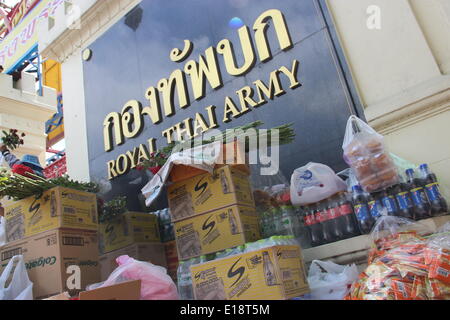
(156, 284)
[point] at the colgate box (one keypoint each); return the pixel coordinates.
(55, 208)
(207, 192)
(271, 273)
(57, 260)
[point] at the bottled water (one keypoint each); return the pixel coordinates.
(185, 289)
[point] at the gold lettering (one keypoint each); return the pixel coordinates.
(111, 170)
(184, 128)
(122, 164)
(142, 153)
(246, 99)
(167, 87)
(199, 123)
(114, 119)
(133, 157)
(128, 119)
(168, 134)
(292, 74)
(225, 47)
(152, 144)
(212, 117)
(230, 107)
(273, 89)
(198, 71)
(261, 25)
(154, 110)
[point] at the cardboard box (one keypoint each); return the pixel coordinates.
(48, 255)
(215, 231)
(128, 290)
(129, 228)
(55, 208)
(172, 259)
(273, 273)
(231, 153)
(151, 252)
(208, 192)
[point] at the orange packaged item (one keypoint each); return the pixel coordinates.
(365, 153)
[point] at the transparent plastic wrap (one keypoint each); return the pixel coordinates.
(408, 263)
(156, 284)
(365, 153)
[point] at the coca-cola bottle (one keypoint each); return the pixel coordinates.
(347, 217)
(315, 226)
(333, 222)
(323, 218)
(422, 208)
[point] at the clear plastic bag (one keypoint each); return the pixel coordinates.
(365, 153)
(313, 183)
(156, 284)
(14, 281)
(330, 281)
(409, 264)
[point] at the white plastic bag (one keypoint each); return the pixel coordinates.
(313, 183)
(20, 287)
(2, 231)
(330, 281)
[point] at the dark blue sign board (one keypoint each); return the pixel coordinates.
(134, 55)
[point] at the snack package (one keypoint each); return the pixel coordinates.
(407, 262)
(365, 153)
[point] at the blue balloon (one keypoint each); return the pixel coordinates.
(236, 23)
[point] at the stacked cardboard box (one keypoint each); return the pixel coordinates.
(213, 212)
(270, 273)
(135, 234)
(57, 235)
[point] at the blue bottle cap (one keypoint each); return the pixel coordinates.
(410, 171)
(424, 166)
(357, 188)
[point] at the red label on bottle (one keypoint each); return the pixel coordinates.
(345, 209)
(318, 216)
(333, 213)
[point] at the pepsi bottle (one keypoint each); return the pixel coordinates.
(361, 208)
(389, 203)
(422, 208)
(375, 205)
(404, 201)
(347, 217)
(437, 201)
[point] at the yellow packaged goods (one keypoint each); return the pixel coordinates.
(57, 260)
(217, 230)
(271, 273)
(207, 192)
(55, 208)
(129, 228)
(150, 252)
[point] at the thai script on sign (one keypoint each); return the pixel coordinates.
(161, 98)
